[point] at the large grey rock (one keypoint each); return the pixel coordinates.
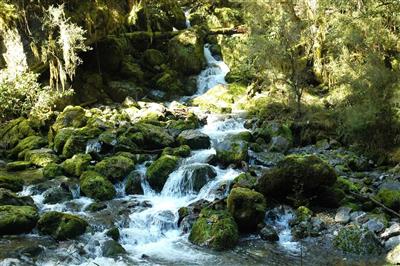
(374, 225)
(194, 139)
(393, 230)
(392, 242)
(393, 256)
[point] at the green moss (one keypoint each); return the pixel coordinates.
(247, 208)
(52, 170)
(17, 219)
(347, 185)
(77, 164)
(358, 241)
(131, 70)
(215, 229)
(389, 197)
(18, 166)
(231, 152)
(29, 143)
(181, 151)
(41, 157)
(96, 186)
(115, 168)
(303, 214)
(75, 144)
(245, 180)
(72, 116)
(14, 131)
(158, 172)
(61, 226)
(61, 138)
(153, 58)
(154, 137)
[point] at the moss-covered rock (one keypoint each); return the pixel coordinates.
(154, 137)
(119, 90)
(152, 58)
(215, 229)
(112, 248)
(247, 207)
(29, 143)
(186, 53)
(389, 197)
(131, 70)
(61, 138)
(197, 176)
(61, 226)
(52, 170)
(115, 168)
(133, 185)
(170, 83)
(181, 151)
(245, 180)
(194, 139)
(72, 116)
(18, 166)
(9, 198)
(12, 183)
(231, 152)
(96, 186)
(17, 219)
(15, 131)
(76, 165)
(158, 172)
(41, 157)
(113, 233)
(359, 241)
(298, 174)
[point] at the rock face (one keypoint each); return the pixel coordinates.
(96, 186)
(62, 226)
(194, 139)
(215, 229)
(17, 219)
(247, 207)
(307, 172)
(158, 172)
(186, 52)
(231, 152)
(115, 168)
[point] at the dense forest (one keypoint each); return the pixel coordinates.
(182, 132)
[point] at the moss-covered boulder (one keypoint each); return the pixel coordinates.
(194, 139)
(41, 157)
(7, 197)
(61, 226)
(52, 170)
(231, 152)
(158, 172)
(72, 116)
(15, 131)
(353, 239)
(96, 186)
(61, 138)
(76, 165)
(29, 143)
(181, 151)
(245, 180)
(17, 219)
(119, 90)
(215, 229)
(152, 58)
(247, 207)
(133, 185)
(170, 83)
(186, 53)
(301, 174)
(12, 183)
(115, 168)
(389, 197)
(18, 166)
(153, 137)
(112, 248)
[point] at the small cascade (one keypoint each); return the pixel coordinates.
(93, 146)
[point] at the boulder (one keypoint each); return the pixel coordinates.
(185, 52)
(196, 176)
(17, 219)
(133, 185)
(119, 90)
(14, 184)
(215, 229)
(182, 151)
(247, 208)
(61, 226)
(113, 233)
(112, 248)
(76, 165)
(96, 186)
(57, 195)
(52, 170)
(41, 157)
(152, 58)
(194, 139)
(18, 166)
(305, 174)
(359, 241)
(269, 233)
(231, 152)
(158, 172)
(390, 197)
(7, 197)
(115, 168)
(29, 143)
(245, 180)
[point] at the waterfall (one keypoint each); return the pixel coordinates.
(14, 56)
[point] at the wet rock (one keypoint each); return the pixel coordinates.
(269, 233)
(31, 251)
(112, 248)
(198, 175)
(18, 166)
(166, 220)
(12, 183)
(57, 195)
(392, 242)
(154, 137)
(215, 229)
(17, 219)
(359, 241)
(41, 157)
(343, 215)
(61, 226)
(96, 186)
(29, 143)
(2, 164)
(158, 172)
(182, 151)
(393, 230)
(393, 256)
(9, 198)
(279, 144)
(115, 168)
(245, 180)
(52, 170)
(76, 165)
(231, 152)
(133, 184)
(247, 208)
(96, 206)
(374, 225)
(194, 139)
(113, 233)
(306, 171)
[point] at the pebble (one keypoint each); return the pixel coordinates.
(343, 215)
